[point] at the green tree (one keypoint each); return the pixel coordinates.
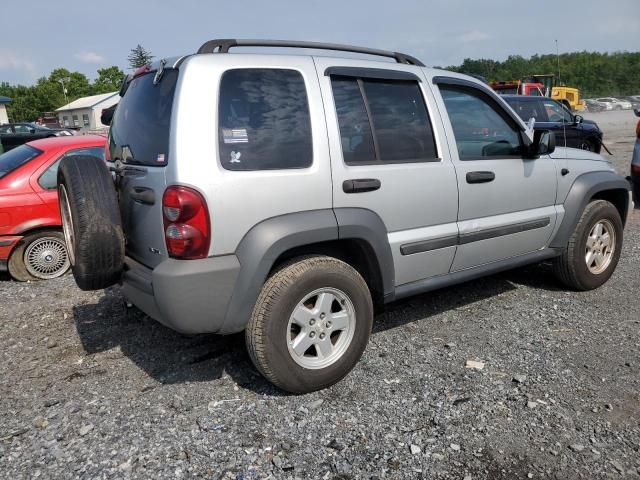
(139, 57)
(109, 80)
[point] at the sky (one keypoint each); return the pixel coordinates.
(40, 35)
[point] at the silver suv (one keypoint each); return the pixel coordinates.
(286, 195)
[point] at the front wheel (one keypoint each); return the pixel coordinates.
(311, 324)
(593, 250)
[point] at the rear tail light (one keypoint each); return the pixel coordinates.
(638, 129)
(635, 169)
(187, 229)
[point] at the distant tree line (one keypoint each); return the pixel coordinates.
(63, 86)
(54, 91)
(595, 74)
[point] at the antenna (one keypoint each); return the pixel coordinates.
(564, 125)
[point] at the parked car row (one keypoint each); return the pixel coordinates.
(15, 134)
(612, 103)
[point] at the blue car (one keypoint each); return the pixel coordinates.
(571, 130)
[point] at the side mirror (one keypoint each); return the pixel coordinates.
(32, 130)
(544, 143)
(578, 119)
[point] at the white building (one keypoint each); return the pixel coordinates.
(85, 112)
(4, 118)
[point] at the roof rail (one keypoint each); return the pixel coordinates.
(223, 45)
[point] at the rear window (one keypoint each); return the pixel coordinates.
(264, 121)
(17, 157)
(139, 131)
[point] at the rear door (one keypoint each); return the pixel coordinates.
(139, 149)
(385, 135)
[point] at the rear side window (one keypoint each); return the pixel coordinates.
(264, 121)
(382, 121)
(17, 157)
(140, 127)
(48, 179)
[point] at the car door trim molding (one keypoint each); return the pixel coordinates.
(428, 245)
(470, 237)
(493, 232)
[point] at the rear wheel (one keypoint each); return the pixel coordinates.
(90, 221)
(40, 256)
(311, 324)
(593, 250)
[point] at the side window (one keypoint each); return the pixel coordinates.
(264, 121)
(5, 129)
(48, 180)
(556, 112)
(21, 129)
(480, 130)
(382, 121)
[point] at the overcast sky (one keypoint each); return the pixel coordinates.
(40, 35)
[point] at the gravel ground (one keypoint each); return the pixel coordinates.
(91, 389)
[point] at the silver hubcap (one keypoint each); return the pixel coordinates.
(67, 223)
(321, 328)
(601, 244)
(46, 258)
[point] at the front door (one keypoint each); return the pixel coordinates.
(389, 156)
(507, 202)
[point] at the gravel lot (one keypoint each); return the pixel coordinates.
(91, 389)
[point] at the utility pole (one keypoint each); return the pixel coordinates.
(64, 90)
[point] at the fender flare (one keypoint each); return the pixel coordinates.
(265, 242)
(582, 190)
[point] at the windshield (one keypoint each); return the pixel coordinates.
(16, 158)
(140, 127)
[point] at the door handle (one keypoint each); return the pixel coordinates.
(360, 185)
(143, 195)
(480, 177)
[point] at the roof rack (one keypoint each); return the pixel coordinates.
(223, 45)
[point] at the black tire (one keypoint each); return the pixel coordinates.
(571, 267)
(266, 334)
(91, 221)
(59, 263)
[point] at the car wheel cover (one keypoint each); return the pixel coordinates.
(600, 246)
(46, 258)
(321, 328)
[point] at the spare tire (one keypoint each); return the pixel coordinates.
(90, 221)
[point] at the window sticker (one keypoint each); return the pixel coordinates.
(235, 157)
(235, 135)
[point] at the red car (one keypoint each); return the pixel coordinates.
(32, 246)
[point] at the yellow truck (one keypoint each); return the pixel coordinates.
(570, 96)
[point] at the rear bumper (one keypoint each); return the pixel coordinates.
(190, 296)
(7, 244)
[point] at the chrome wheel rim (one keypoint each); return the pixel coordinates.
(67, 223)
(600, 247)
(46, 258)
(321, 328)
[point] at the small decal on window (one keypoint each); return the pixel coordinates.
(235, 135)
(160, 158)
(235, 157)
